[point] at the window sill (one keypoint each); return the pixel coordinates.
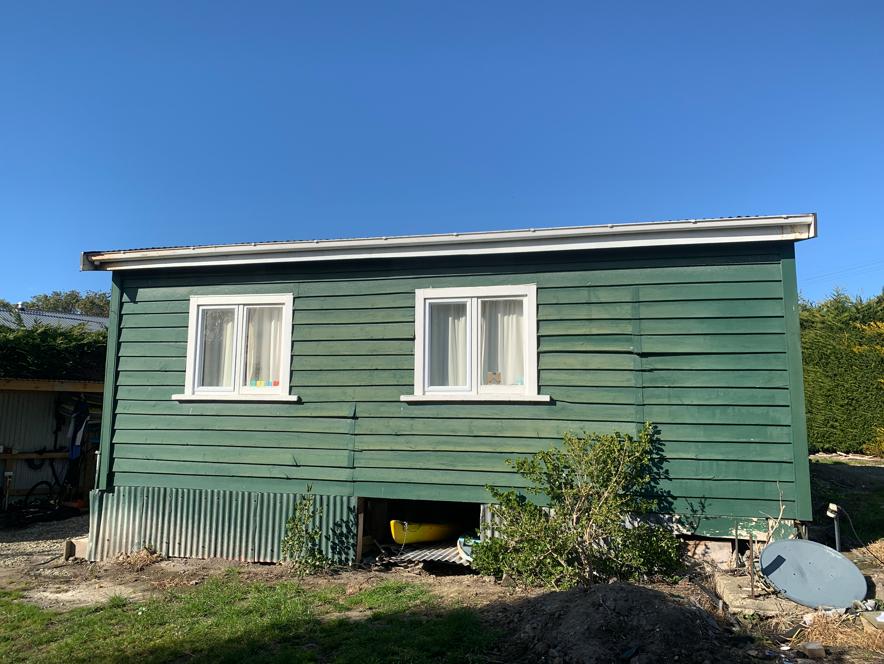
(445, 398)
(237, 397)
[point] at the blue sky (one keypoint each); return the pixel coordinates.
(128, 124)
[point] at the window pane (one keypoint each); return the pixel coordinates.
(503, 348)
(262, 346)
(216, 348)
(447, 362)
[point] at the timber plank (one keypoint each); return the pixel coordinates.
(294, 456)
(710, 469)
(235, 423)
(739, 361)
(258, 484)
(554, 429)
(663, 310)
(403, 491)
(435, 443)
(712, 343)
(355, 331)
(696, 378)
(176, 364)
(152, 349)
(354, 316)
(605, 361)
(662, 293)
(281, 439)
(227, 470)
(594, 395)
(712, 414)
(489, 427)
(622, 343)
(353, 347)
(134, 319)
(560, 270)
(351, 393)
(687, 326)
(287, 409)
(500, 412)
(147, 378)
(146, 393)
(174, 334)
(353, 377)
(353, 362)
(715, 395)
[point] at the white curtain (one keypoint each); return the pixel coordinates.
(263, 338)
(448, 345)
(503, 348)
(217, 348)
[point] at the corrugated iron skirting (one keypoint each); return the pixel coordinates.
(204, 523)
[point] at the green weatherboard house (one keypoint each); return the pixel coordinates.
(394, 377)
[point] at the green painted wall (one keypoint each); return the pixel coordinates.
(701, 341)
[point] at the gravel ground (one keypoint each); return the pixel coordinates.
(39, 542)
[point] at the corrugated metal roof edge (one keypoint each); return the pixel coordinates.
(792, 227)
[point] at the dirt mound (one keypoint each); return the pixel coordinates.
(617, 622)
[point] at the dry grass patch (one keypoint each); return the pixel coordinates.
(140, 559)
(877, 549)
(841, 631)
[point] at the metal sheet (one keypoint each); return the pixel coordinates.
(430, 553)
(203, 523)
(812, 574)
(27, 420)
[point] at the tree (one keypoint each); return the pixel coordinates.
(90, 303)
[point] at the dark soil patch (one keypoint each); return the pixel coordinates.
(616, 622)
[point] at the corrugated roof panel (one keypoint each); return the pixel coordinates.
(32, 317)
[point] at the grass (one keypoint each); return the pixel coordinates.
(227, 619)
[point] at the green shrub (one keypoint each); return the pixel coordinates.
(842, 342)
(597, 487)
(52, 352)
(301, 542)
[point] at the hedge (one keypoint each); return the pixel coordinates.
(52, 352)
(842, 342)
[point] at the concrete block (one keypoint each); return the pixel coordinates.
(75, 548)
(872, 621)
(716, 552)
(813, 650)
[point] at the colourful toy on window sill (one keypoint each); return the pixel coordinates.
(263, 383)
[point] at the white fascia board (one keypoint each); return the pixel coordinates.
(654, 234)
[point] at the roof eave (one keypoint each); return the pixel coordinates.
(690, 232)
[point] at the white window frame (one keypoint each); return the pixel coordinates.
(239, 392)
(474, 390)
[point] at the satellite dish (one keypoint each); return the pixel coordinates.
(812, 574)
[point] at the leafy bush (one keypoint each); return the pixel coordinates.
(597, 486)
(301, 542)
(52, 352)
(842, 341)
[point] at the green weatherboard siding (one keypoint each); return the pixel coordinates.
(701, 341)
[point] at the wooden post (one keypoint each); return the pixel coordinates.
(360, 521)
(752, 565)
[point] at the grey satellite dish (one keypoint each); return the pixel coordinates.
(812, 574)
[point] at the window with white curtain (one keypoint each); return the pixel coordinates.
(239, 348)
(476, 344)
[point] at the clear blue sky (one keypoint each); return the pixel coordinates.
(127, 124)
